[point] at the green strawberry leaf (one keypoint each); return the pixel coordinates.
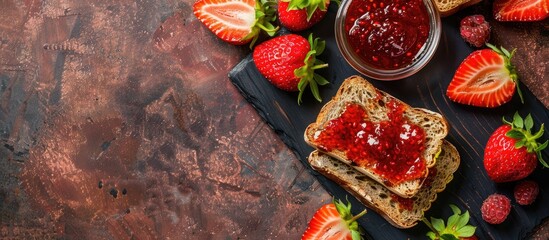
(466, 231)
(453, 220)
(456, 228)
(540, 156)
(520, 144)
(463, 220)
(319, 62)
(507, 53)
(344, 210)
(306, 72)
(455, 209)
(269, 25)
(302, 85)
(310, 10)
(438, 224)
(265, 14)
(314, 90)
(539, 133)
(448, 237)
(542, 146)
(355, 235)
(320, 80)
(518, 121)
(528, 122)
(515, 134)
(320, 46)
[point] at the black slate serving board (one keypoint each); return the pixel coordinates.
(469, 132)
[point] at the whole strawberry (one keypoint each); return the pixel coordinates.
(333, 221)
(526, 192)
(475, 30)
(289, 61)
(495, 208)
(512, 151)
(298, 15)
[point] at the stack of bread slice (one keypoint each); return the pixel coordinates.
(404, 203)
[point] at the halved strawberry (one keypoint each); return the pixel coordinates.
(237, 21)
(485, 78)
(298, 15)
(521, 10)
(333, 221)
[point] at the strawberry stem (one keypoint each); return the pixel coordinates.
(355, 217)
(325, 65)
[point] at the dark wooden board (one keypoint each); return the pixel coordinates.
(470, 130)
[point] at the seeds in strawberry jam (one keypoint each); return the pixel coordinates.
(403, 203)
(387, 34)
(391, 148)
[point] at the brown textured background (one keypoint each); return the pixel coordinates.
(117, 120)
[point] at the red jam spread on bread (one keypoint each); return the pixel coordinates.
(392, 149)
(403, 203)
(387, 34)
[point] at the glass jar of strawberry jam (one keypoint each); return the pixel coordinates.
(387, 39)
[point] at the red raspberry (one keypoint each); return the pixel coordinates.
(526, 192)
(495, 208)
(475, 30)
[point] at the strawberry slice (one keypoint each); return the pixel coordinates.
(521, 10)
(237, 21)
(485, 78)
(333, 221)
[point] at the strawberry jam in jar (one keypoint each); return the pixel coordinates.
(391, 148)
(387, 39)
(387, 33)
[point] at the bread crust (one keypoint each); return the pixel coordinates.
(376, 197)
(358, 90)
(449, 7)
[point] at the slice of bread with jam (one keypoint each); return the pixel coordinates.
(400, 212)
(377, 134)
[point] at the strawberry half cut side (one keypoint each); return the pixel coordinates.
(237, 21)
(486, 78)
(521, 131)
(521, 10)
(333, 221)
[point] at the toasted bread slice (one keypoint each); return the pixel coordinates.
(357, 90)
(449, 7)
(400, 212)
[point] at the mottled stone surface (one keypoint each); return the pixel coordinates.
(117, 120)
